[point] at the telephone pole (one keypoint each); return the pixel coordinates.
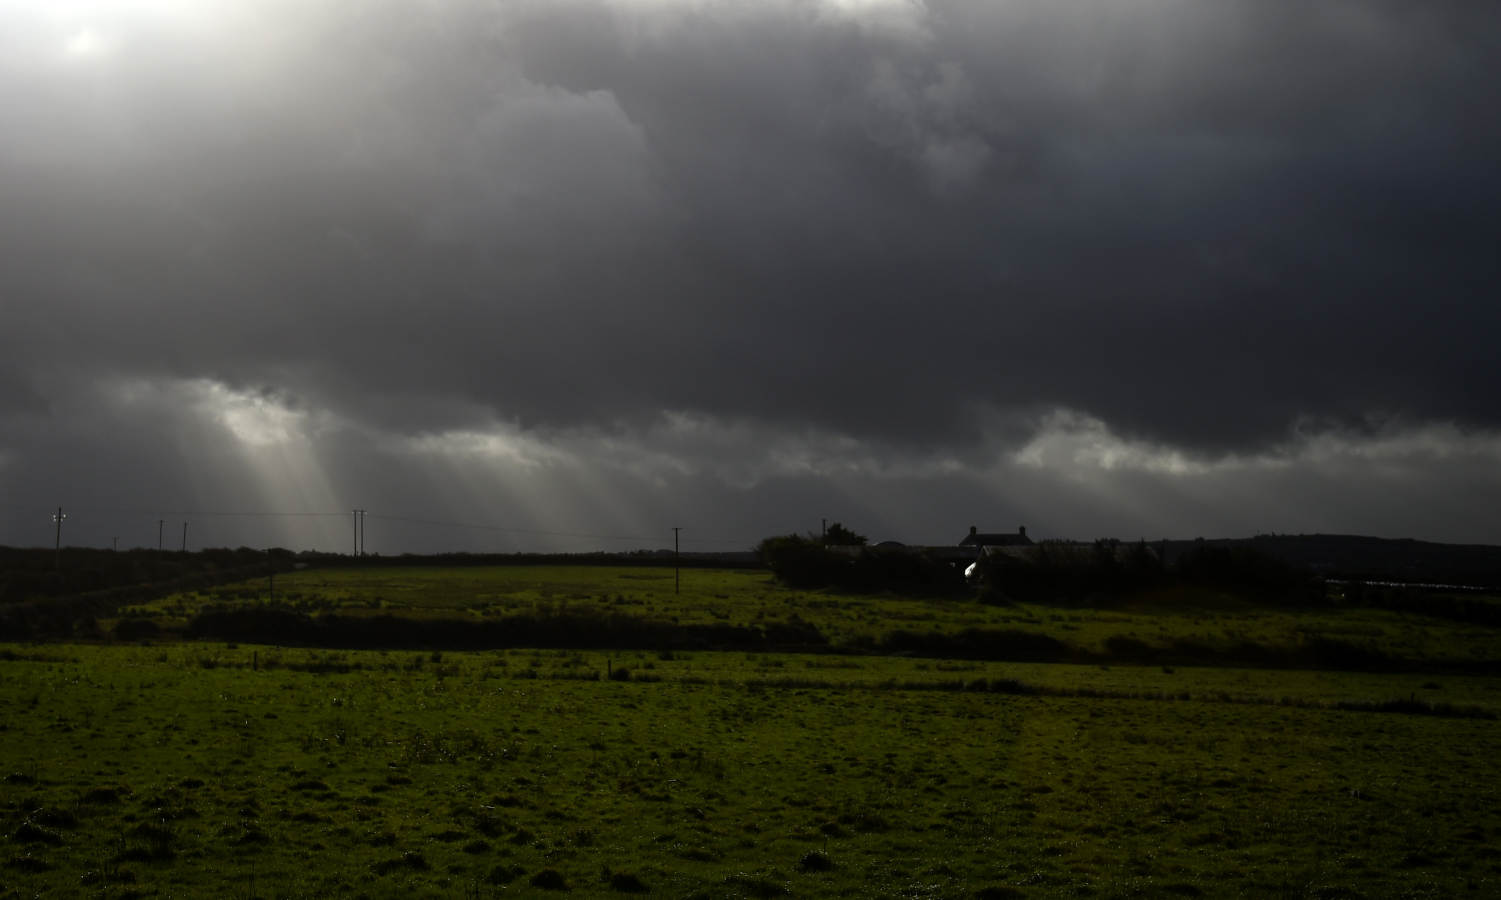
(185, 537)
(57, 545)
(358, 519)
(160, 524)
(677, 572)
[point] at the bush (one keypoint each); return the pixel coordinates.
(1067, 572)
(802, 562)
(806, 563)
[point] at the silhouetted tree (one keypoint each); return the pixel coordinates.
(800, 562)
(838, 536)
(807, 562)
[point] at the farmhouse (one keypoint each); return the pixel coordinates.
(980, 541)
(1014, 544)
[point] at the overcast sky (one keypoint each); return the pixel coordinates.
(564, 274)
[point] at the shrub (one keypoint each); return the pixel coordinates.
(801, 562)
(806, 563)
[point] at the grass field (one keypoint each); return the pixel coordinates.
(710, 596)
(189, 769)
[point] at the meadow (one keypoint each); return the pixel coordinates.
(188, 768)
(1214, 620)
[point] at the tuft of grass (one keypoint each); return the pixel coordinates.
(310, 784)
(25, 862)
(54, 817)
(627, 883)
(756, 885)
(410, 859)
(503, 874)
(28, 832)
(548, 880)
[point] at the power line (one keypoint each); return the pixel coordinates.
(358, 522)
(204, 513)
(478, 526)
(361, 513)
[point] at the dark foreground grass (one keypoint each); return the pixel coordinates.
(183, 771)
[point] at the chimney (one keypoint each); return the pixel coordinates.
(971, 531)
(1023, 530)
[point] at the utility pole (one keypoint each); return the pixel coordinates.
(359, 531)
(160, 524)
(114, 544)
(185, 537)
(823, 530)
(57, 546)
(677, 572)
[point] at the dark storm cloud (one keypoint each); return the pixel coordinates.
(1201, 223)
(875, 218)
(903, 232)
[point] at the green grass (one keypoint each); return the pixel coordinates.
(752, 598)
(192, 769)
(179, 770)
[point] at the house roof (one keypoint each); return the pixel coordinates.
(976, 538)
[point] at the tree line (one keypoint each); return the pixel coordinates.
(1064, 572)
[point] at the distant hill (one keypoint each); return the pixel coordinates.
(1370, 558)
